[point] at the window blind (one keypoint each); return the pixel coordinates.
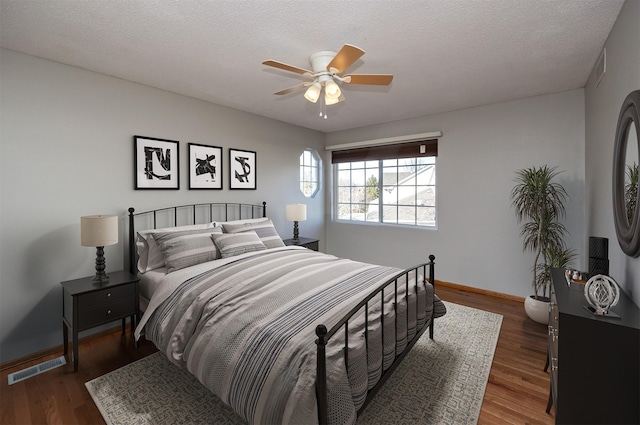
(413, 149)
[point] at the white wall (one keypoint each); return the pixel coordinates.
(67, 151)
(477, 241)
(602, 109)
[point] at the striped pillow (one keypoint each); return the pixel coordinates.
(231, 244)
(264, 229)
(149, 253)
(188, 248)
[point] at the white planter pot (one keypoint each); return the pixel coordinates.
(537, 310)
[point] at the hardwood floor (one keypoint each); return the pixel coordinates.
(518, 388)
(517, 391)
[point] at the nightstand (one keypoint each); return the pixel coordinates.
(87, 304)
(305, 242)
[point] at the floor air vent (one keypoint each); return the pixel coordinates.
(23, 374)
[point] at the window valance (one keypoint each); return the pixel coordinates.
(413, 149)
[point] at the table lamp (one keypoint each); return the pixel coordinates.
(296, 213)
(99, 231)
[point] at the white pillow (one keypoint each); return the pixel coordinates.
(149, 253)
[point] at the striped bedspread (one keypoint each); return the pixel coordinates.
(246, 330)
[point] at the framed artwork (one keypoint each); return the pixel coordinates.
(205, 167)
(242, 169)
(155, 163)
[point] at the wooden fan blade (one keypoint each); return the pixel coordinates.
(373, 79)
(287, 67)
(294, 88)
(345, 57)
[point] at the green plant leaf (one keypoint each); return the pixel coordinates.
(538, 202)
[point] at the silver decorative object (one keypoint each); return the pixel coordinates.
(602, 293)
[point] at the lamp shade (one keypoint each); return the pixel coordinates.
(99, 230)
(332, 90)
(296, 212)
(331, 101)
(313, 92)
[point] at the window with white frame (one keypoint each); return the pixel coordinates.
(389, 185)
(309, 173)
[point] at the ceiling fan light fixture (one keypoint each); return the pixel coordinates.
(325, 74)
(331, 100)
(332, 90)
(313, 92)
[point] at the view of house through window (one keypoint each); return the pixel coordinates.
(398, 191)
(309, 173)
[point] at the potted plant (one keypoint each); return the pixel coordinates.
(556, 258)
(539, 204)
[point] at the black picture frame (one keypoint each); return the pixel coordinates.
(156, 163)
(205, 167)
(242, 169)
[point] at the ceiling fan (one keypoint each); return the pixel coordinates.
(326, 69)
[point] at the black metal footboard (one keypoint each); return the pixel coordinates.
(324, 334)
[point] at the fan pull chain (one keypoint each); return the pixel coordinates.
(323, 109)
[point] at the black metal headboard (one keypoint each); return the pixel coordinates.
(182, 215)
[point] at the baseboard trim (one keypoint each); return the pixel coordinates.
(479, 291)
(54, 351)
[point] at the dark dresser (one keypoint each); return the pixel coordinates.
(595, 360)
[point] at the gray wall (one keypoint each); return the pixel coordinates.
(67, 151)
(477, 241)
(602, 108)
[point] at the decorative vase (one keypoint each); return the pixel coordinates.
(537, 310)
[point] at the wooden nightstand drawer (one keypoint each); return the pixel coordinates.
(105, 313)
(107, 295)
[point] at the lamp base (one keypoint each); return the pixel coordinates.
(100, 277)
(296, 238)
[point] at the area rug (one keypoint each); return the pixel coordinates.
(441, 381)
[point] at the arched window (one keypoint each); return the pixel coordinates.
(309, 173)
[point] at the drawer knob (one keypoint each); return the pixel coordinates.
(108, 312)
(108, 294)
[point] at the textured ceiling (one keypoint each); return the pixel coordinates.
(445, 54)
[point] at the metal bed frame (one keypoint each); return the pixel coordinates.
(323, 333)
